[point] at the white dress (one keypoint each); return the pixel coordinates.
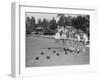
(78, 37)
(85, 38)
(57, 35)
(63, 35)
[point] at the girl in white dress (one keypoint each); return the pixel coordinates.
(57, 35)
(77, 37)
(85, 38)
(64, 34)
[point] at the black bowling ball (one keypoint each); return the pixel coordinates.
(67, 49)
(66, 53)
(57, 54)
(70, 50)
(49, 48)
(48, 57)
(42, 53)
(37, 58)
(64, 49)
(78, 51)
(54, 51)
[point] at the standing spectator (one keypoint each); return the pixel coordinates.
(57, 35)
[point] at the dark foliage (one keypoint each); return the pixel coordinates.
(49, 26)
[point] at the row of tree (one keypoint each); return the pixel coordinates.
(78, 22)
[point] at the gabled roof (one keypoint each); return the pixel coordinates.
(39, 28)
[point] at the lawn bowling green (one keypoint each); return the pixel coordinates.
(50, 52)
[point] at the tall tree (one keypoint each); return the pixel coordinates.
(61, 21)
(53, 24)
(81, 22)
(30, 25)
(68, 20)
(39, 22)
(44, 23)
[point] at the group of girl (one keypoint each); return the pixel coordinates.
(64, 34)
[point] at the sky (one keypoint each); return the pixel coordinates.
(42, 16)
(48, 16)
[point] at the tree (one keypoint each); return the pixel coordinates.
(68, 20)
(44, 23)
(53, 24)
(64, 20)
(39, 22)
(61, 21)
(30, 25)
(81, 22)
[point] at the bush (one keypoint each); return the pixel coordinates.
(49, 32)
